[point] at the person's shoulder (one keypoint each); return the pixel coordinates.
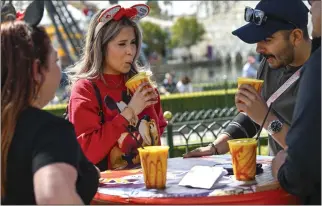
(313, 66)
(34, 118)
(81, 87)
(56, 126)
(245, 67)
(316, 55)
(44, 115)
(81, 84)
(38, 113)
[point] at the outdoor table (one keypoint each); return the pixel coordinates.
(127, 186)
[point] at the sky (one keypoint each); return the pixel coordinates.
(179, 7)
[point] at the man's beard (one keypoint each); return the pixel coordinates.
(283, 58)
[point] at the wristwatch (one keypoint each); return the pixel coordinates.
(274, 127)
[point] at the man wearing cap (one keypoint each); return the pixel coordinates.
(280, 30)
(298, 169)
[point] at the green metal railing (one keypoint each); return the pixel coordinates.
(209, 114)
(197, 127)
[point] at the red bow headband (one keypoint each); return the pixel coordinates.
(134, 13)
(20, 15)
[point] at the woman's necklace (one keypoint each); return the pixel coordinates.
(116, 85)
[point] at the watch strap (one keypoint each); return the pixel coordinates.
(215, 152)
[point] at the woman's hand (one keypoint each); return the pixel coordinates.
(143, 97)
(249, 100)
(199, 152)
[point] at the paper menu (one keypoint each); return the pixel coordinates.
(202, 177)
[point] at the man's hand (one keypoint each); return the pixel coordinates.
(278, 161)
(247, 99)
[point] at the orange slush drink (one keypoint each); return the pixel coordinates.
(133, 83)
(256, 83)
(243, 154)
(154, 162)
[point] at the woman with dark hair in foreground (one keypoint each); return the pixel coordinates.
(42, 162)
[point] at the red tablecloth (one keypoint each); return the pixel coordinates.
(127, 187)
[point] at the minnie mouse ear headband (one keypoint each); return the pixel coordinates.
(134, 13)
(32, 15)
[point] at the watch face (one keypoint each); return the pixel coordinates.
(276, 126)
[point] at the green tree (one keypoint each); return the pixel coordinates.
(213, 7)
(186, 32)
(154, 37)
(167, 3)
(155, 9)
(166, 12)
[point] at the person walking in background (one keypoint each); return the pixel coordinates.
(184, 85)
(169, 83)
(250, 68)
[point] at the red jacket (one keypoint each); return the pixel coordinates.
(111, 138)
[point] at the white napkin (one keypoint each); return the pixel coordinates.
(203, 177)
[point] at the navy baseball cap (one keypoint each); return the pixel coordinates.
(293, 11)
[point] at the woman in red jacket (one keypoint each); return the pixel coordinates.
(110, 139)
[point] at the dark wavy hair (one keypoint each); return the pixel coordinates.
(21, 45)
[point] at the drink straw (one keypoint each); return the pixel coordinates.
(260, 129)
(137, 141)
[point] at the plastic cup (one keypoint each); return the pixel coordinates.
(256, 83)
(243, 154)
(154, 162)
(134, 82)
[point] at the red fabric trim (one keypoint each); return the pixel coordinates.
(272, 197)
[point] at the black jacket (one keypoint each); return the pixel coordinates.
(300, 175)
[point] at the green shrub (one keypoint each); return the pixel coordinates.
(181, 102)
(215, 86)
(198, 100)
(58, 109)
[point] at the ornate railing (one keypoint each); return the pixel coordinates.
(209, 114)
(197, 127)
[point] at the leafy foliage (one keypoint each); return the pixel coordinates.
(186, 32)
(154, 37)
(155, 9)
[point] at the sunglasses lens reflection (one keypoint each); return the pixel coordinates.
(248, 14)
(258, 16)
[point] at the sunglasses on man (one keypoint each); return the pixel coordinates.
(259, 17)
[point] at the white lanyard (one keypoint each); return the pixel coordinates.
(284, 87)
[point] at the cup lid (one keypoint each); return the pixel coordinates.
(138, 76)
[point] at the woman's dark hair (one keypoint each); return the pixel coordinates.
(185, 80)
(21, 46)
